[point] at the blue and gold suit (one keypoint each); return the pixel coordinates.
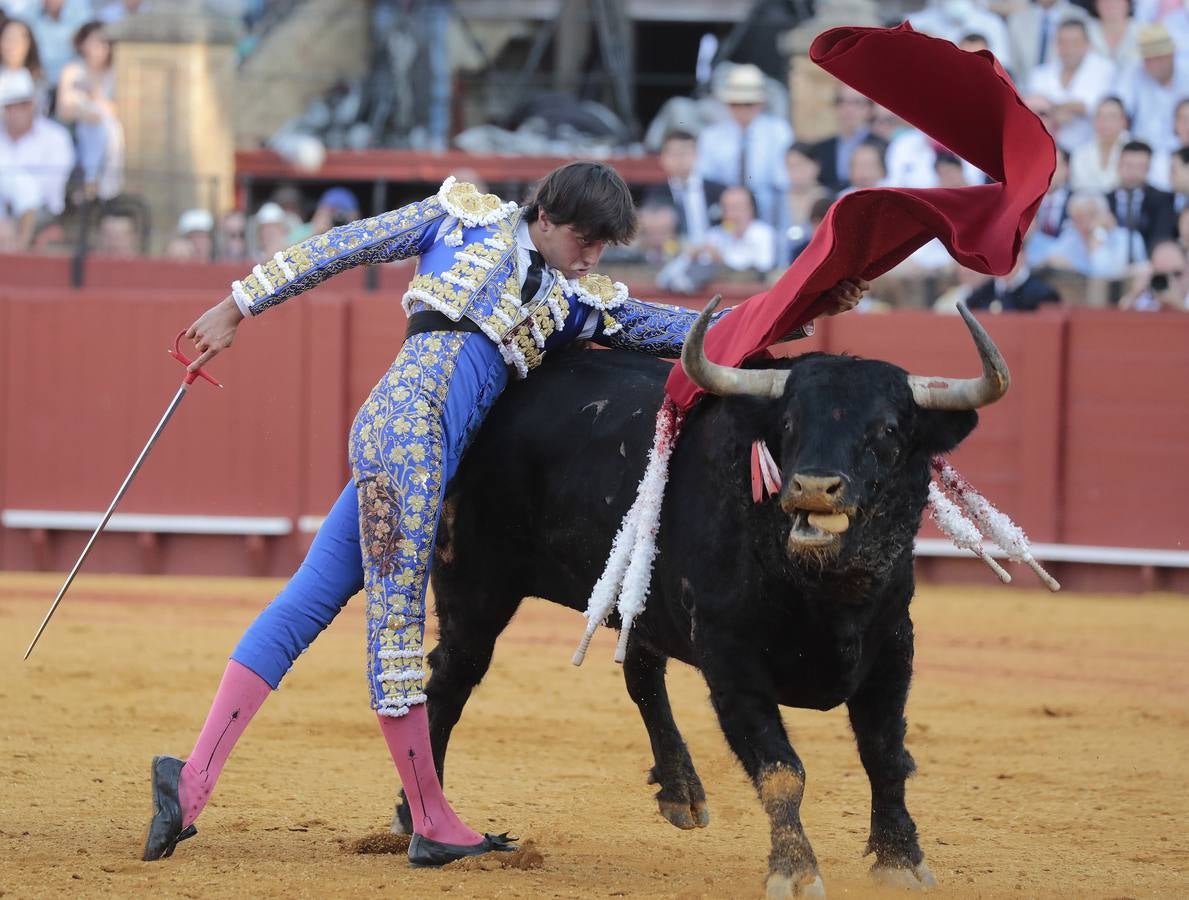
(408, 437)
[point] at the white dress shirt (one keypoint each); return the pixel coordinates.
(1151, 104)
(1092, 80)
(767, 139)
(45, 153)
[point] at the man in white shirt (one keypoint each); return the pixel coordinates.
(693, 198)
(32, 145)
(1074, 82)
(742, 243)
(954, 19)
(1153, 87)
(1033, 33)
(748, 147)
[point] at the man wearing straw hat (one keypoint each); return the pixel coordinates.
(747, 148)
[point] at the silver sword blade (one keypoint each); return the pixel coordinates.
(173, 404)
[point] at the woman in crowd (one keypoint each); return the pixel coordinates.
(1113, 33)
(86, 100)
(18, 50)
(1094, 166)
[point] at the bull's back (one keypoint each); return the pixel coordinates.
(556, 465)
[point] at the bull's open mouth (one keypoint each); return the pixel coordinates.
(816, 529)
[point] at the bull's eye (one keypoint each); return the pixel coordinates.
(889, 430)
(788, 426)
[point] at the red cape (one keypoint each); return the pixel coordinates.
(967, 103)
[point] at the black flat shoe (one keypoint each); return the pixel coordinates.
(423, 852)
(165, 828)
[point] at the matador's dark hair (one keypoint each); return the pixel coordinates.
(589, 196)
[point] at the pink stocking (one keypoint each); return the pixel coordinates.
(408, 742)
(241, 693)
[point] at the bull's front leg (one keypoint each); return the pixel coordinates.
(681, 798)
(877, 717)
(750, 720)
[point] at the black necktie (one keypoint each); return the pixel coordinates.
(532, 279)
(1044, 39)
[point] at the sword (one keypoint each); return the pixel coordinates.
(173, 405)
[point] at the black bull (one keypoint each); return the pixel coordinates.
(771, 608)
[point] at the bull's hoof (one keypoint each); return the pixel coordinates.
(685, 816)
(402, 822)
(781, 887)
(918, 878)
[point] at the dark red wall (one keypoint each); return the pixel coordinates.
(1089, 447)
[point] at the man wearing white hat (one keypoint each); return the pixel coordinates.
(1151, 88)
(36, 154)
(748, 147)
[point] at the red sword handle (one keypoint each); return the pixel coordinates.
(177, 354)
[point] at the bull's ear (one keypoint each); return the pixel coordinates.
(941, 431)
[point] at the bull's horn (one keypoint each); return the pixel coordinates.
(725, 380)
(965, 393)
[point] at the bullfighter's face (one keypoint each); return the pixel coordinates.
(565, 247)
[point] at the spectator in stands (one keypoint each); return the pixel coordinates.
(270, 231)
(1161, 174)
(1052, 214)
(742, 243)
(337, 206)
(659, 238)
(805, 191)
(55, 22)
(748, 147)
(953, 21)
(19, 204)
(1073, 82)
(33, 145)
(886, 125)
(86, 100)
(950, 173)
(1114, 34)
(693, 198)
(196, 228)
(1094, 166)
(867, 167)
(1183, 228)
(18, 50)
(1152, 88)
(1179, 179)
(109, 11)
(116, 234)
(973, 43)
(1033, 31)
(1093, 244)
(853, 113)
(1162, 287)
(1017, 291)
(288, 198)
(232, 241)
(816, 214)
(1136, 205)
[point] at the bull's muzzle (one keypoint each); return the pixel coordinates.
(814, 493)
(818, 508)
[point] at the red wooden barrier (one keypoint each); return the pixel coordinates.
(1086, 449)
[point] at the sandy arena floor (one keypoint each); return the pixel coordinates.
(1051, 735)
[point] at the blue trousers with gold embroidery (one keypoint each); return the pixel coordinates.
(405, 445)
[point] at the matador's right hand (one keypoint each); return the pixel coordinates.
(214, 331)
